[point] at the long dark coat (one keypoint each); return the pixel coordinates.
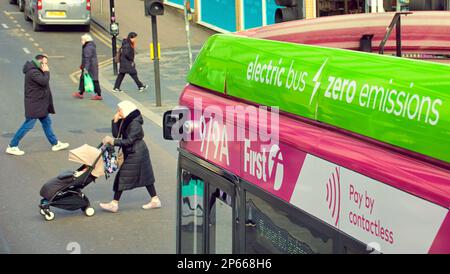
(127, 64)
(89, 59)
(136, 170)
(38, 96)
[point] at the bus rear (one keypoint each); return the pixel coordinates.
(290, 148)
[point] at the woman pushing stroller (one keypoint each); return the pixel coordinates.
(136, 169)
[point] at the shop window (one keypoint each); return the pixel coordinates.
(339, 7)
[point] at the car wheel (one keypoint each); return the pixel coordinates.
(36, 26)
(26, 16)
(87, 28)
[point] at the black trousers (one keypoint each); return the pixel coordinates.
(97, 88)
(120, 77)
(151, 190)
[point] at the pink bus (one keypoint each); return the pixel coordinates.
(264, 170)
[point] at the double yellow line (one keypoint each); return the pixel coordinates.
(74, 76)
(105, 63)
(98, 33)
(104, 39)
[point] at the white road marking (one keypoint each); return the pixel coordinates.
(26, 51)
(5, 26)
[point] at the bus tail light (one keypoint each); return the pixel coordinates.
(39, 5)
(88, 5)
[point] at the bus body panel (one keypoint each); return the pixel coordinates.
(423, 32)
(382, 198)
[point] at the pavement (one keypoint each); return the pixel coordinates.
(173, 68)
(171, 26)
(174, 62)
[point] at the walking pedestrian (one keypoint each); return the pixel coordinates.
(136, 169)
(89, 64)
(127, 64)
(38, 104)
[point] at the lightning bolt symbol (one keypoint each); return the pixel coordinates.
(316, 79)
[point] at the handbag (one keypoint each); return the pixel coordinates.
(118, 56)
(120, 156)
(88, 83)
(109, 161)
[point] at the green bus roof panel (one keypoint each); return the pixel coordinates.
(399, 101)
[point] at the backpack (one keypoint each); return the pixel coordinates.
(118, 55)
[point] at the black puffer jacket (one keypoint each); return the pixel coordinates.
(136, 170)
(89, 59)
(127, 64)
(38, 96)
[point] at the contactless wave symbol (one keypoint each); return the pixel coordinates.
(334, 195)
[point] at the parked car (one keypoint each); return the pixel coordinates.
(21, 3)
(58, 12)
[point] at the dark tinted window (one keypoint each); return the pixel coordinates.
(220, 222)
(272, 230)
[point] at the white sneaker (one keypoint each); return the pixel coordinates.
(111, 206)
(15, 151)
(144, 87)
(116, 90)
(154, 203)
(60, 146)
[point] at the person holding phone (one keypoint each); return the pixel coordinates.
(136, 170)
(38, 104)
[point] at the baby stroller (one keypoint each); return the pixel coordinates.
(64, 191)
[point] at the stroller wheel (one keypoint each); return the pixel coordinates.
(42, 212)
(49, 216)
(89, 211)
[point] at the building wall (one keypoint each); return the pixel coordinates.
(231, 15)
(179, 3)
